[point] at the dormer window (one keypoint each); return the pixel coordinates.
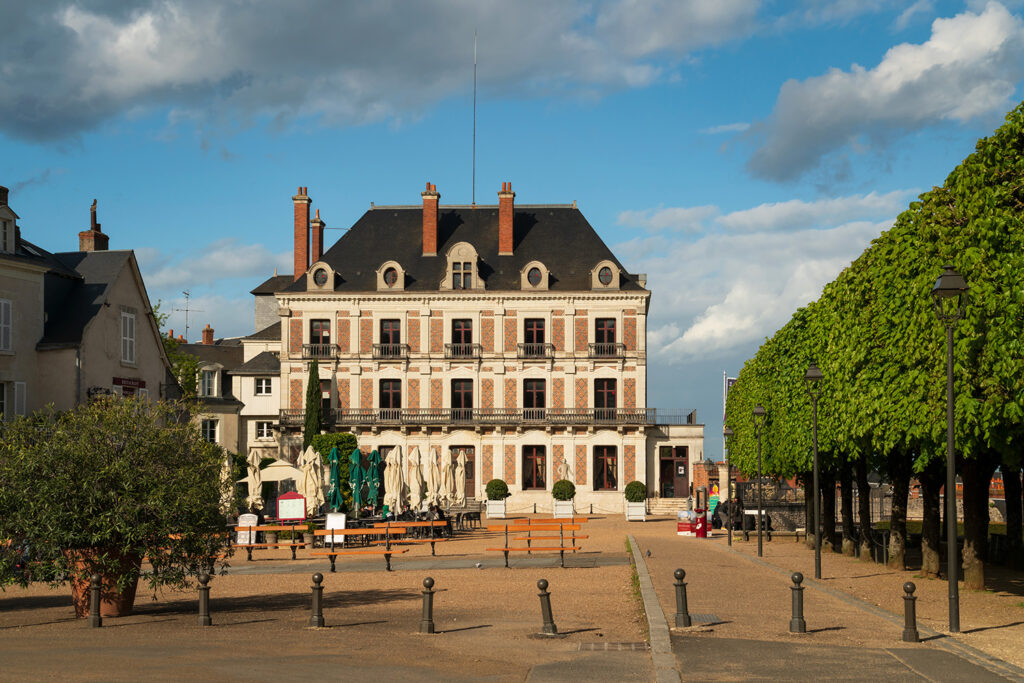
(462, 275)
(534, 275)
(207, 383)
(605, 275)
(390, 277)
(463, 269)
(320, 277)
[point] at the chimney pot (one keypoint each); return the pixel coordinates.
(93, 239)
(317, 229)
(431, 199)
(506, 214)
(208, 335)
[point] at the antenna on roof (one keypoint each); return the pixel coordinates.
(474, 117)
(188, 295)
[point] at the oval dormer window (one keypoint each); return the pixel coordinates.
(534, 276)
(320, 277)
(604, 275)
(390, 277)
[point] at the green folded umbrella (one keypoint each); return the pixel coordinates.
(334, 499)
(355, 479)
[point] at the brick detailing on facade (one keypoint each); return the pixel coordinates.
(414, 334)
(436, 335)
(295, 398)
(511, 336)
(581, 331)
(628, 464)
(344, 394)
(487, 463)
(487, 393)
(487, 334)
(412, 401)
(558, 332)
(365, 335)
(295, 338)
(366, 393)
(510, 465)
(629, 332)
(581, 465)
(558, 393)
(581, 393)
(436, 394)
(629, 393)
(510, 393)
(557, 460)
(344, 334)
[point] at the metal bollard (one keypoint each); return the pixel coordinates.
(797, 623)
(317, 617)
(682, 612)
(95, 619)
(427, 620)
(545, 608)
(204, 600)
(910, 634)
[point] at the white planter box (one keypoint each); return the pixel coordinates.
(563, 508)
(495, 509)
(636, 512)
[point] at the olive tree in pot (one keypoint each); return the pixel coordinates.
(101, 488)
(563, 491)
(636, 501)
(497, 492)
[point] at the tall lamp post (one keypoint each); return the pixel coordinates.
(950, 297)
(729, 503)
(759, 414)
(813, 378)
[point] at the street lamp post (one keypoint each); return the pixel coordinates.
(730, 504)
(950, 297)
(759, 415)
(813, 378)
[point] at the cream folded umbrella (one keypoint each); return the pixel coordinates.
(460, 479)
(393, 479)
(446, 494)
(415, 479)
(310, 484)
(433, 477)
(255, 480)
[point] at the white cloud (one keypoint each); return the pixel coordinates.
(207, 265)
(229, 317)
(726, 128)
(968, 67)
(908, 15)
(688, 220)
(795, 214)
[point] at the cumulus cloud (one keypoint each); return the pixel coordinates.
(208, 264)
(229, 317)
(681, 219)
(906, 16)
(726, 128)
(335, 62)
(967, 68)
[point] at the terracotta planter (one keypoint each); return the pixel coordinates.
(113, 602)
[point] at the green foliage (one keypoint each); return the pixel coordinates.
(184, 366)
(314, 407)
(563, 489)
(122, 476)
(636, 492)
(497, 489)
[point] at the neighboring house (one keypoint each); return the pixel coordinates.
(73, 325)
(219, 417)
(510, 332)
(258, 386)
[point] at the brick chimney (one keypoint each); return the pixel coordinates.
(318, 238)
(431, 198)
(506, 210)
(302, 202)
(3, 195)
(93, 239)
(208, 335)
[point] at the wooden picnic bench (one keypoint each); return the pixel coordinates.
(249, 547)
(422, 525)
(529, 538)
(387, 551)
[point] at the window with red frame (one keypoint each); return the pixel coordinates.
(605, 468)
(533, 468)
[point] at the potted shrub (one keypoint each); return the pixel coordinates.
(497, 492)
(101, 488)
(636, 501)
(563, 492)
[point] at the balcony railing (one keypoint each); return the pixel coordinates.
(536, 350)
(607, 350)
(319, 350)
(291, 418)
(456, 351)
(489, 416)
(390, 351)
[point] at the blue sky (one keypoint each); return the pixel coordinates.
(739, 152)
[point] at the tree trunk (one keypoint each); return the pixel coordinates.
(808, 482)
(977, 475)
(828, 509)
(1014, 516)
(846, 508)
(899, 473)
(864, 508)
(931, 478)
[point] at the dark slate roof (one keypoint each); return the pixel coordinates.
(26, 252)
(265, 363)
(271, 332)
(75, 291)
(558, 236)
(221, 351)
(273, 284)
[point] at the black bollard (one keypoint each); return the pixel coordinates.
(682, 612)
(427, 621)
(95, 620)
(910, 634)
(317, 617)
(797, 623)
(204, 600)
(545, 608)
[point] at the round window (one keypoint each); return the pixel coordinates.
(534, 276)
(320, 277)
(390, 277)
(605, 275)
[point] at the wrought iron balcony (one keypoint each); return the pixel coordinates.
(319, 350)
(458, 351)
(291, 418)
(607, 350)
(488, 416)
(540, 350)
(390, 351)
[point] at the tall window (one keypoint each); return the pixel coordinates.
(533, 329)
(6, 324)
(605, 468)
(462, 399)
(534, 399)
(462, 331)
(127, 337)
(604, 399)
(390, 398)
(390, 332)
(209, 430)
(263, 386)
(319, 331)
(207, 380)
(462, 275)
(325, 399)
(264, 430)
(533, 468)
(6, 242)
(604, 332)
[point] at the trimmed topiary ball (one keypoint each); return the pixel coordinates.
(497, 489)
(563, 490)
(636, 492)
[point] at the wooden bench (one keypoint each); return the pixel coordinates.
(387, 551)
(529, 538)
(249, 547)
(560, 550)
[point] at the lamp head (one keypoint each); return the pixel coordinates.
(759, 415)
(813, 377)
(950, 295)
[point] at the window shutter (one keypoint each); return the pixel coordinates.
(19, 398)
(5, 325)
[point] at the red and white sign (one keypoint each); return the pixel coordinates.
(291, 507)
